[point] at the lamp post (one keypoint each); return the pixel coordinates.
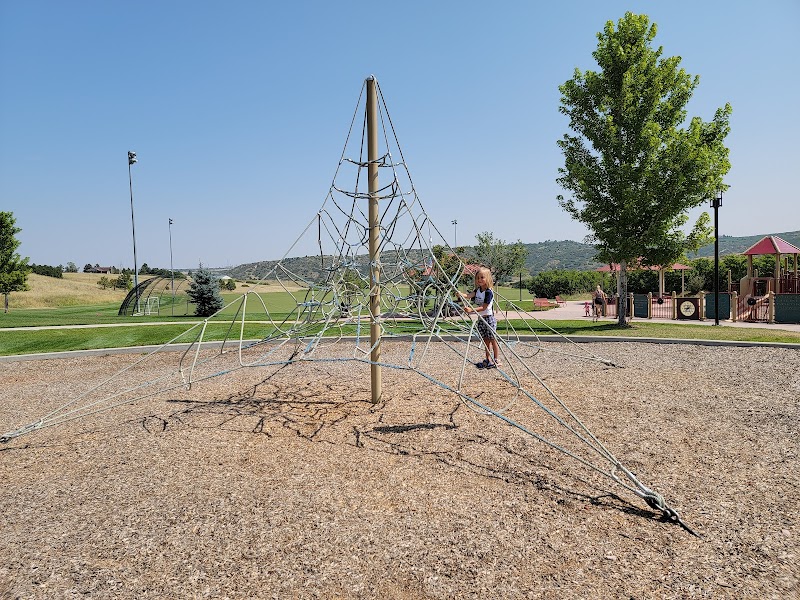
(131, 161)
(172, 272)
(716, 203)
(454, 222)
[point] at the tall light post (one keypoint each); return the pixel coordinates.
(172, 272)
(131, 161)
(454, 222)
(716, 202)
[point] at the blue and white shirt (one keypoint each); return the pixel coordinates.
(484, 297)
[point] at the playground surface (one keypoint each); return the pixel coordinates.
(291, 484)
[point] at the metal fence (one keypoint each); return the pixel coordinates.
(752, 309)
(661, 307)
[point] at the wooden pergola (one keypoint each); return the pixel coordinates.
(614, 268)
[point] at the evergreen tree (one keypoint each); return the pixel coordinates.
(13, 269)
(204, 293)
(632, 167)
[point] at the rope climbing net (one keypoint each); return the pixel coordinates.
(329, 319)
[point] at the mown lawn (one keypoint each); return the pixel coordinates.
(59, 340)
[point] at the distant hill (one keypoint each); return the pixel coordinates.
(735, 245)
(542, 256)
(564, 255)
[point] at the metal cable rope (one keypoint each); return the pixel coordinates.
(334, 305)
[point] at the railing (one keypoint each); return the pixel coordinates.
(611, 307)
(790, 284)
(661, 308)
(752, 308)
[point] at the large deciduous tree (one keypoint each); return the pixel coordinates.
(13, 269)
(504, 260)
(634, 166)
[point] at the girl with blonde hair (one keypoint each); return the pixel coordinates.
(483, 296)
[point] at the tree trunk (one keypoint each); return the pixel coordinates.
(6, 301)
(622, 293)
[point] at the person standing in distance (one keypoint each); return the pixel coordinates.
(599, 301)
(483, 296)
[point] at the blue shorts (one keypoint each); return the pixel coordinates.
(487, 327)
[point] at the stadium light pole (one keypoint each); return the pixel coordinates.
(454, 222)
(131, 161)
(716, 202)
(171, 270)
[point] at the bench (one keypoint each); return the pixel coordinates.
(542, 303)
(560, 301)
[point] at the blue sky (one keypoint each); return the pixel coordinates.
(238, 113)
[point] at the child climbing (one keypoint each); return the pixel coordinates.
(483, 296)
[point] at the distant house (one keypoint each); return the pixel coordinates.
(102, 270)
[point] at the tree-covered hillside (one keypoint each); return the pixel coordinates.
(551, 255)
(729, 244)
(564, 255)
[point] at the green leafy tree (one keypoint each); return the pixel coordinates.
(632, 170)
(204, 293)
(504, 260)
(13, 269)
(71, 268)
(451, 264)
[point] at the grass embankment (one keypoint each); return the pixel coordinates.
(81, 289)
(75, 289)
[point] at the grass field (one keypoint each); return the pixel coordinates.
(77, 300)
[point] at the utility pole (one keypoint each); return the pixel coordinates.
(716, 203)
(131, 161)
(172, 272)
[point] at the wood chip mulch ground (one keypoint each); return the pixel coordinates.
(287, 482)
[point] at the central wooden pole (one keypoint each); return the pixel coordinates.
(374, 240)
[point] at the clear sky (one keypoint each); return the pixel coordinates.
(238, 113)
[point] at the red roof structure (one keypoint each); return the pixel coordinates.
(771, 244)
(782, 282)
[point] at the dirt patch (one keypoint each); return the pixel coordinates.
(287, 482)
